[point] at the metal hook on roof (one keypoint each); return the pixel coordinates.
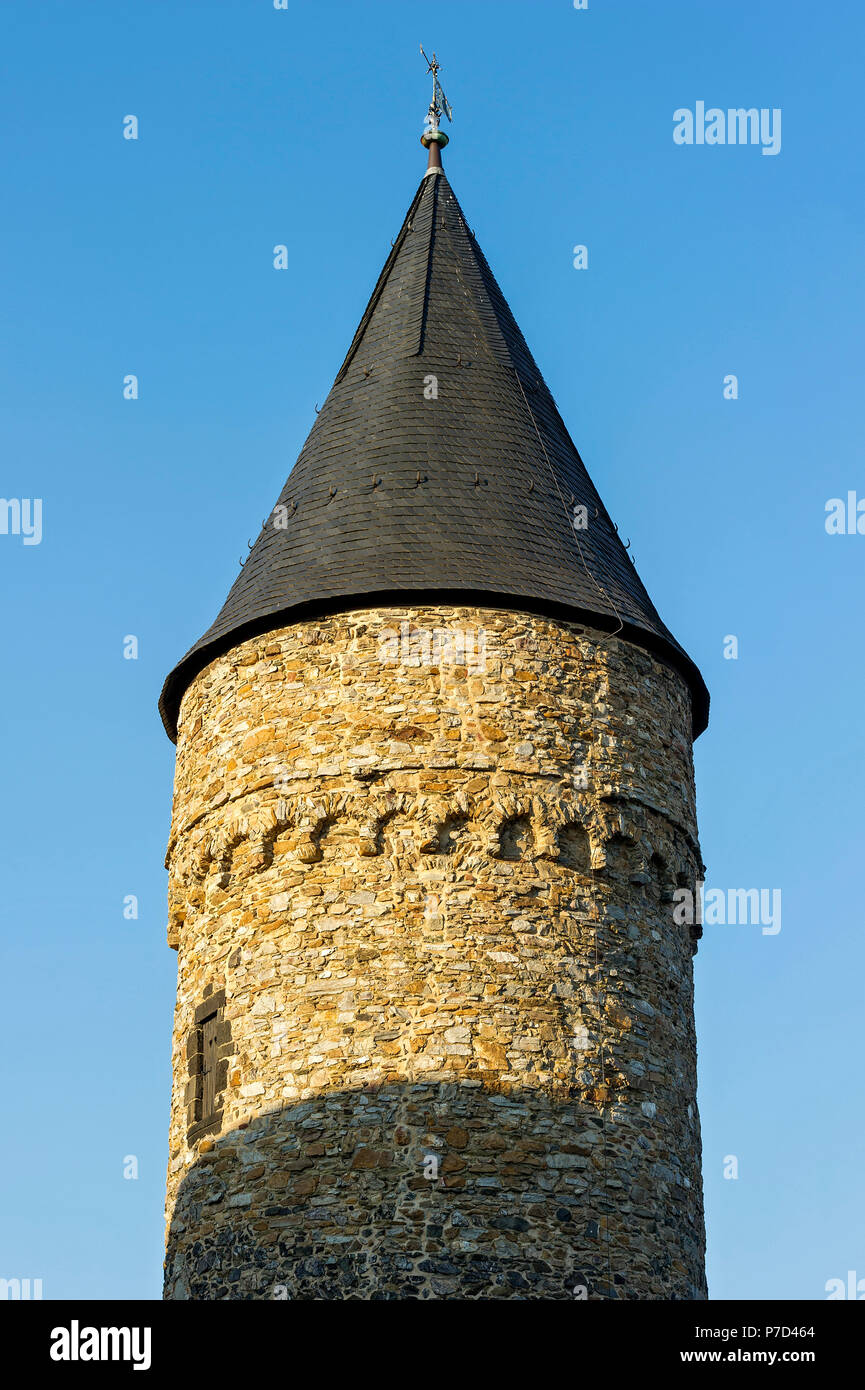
(317, 411)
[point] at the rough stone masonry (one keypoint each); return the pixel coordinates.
(434, 1029)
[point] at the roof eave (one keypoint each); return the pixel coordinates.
(195, 661)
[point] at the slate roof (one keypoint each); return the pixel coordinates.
(468, 497)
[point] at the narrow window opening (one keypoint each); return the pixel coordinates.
(208, 1067)
(208, 1049)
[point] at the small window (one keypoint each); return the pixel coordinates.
(207, 1051)
(208, 1066)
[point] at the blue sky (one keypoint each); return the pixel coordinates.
(154, 257)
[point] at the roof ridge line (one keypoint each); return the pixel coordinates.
(421, 337)
(382, 281)
(478, 265)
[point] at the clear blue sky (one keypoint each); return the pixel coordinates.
(154, 257)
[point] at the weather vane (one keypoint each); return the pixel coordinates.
(438, 107)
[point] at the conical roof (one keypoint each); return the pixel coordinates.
(438, 470)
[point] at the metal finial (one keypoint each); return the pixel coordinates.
(438, 107)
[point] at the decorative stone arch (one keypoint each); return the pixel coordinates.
(438, 819)
(502, 813)
(222, 847)
(377, 814)
(546, 818)
(313, 816)
(264, 826)
(661, 876)
(574, 846)
(565, 834)
(201, 854)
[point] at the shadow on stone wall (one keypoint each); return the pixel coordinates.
(436, 1190)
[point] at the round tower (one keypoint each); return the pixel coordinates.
(434, 1032)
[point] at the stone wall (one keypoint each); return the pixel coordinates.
(432, 875)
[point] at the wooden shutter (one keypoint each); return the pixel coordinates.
(208, 1073)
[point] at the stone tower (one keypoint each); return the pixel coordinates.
(434, 1034)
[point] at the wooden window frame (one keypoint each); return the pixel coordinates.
(207, 1051)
